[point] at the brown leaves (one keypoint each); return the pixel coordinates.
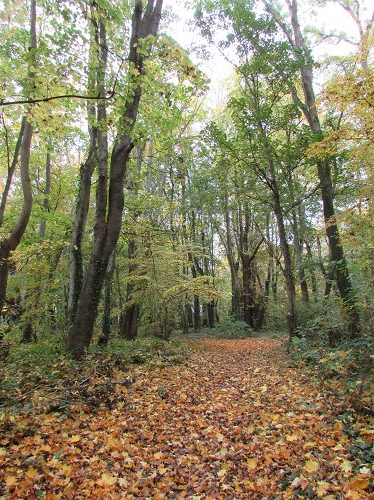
(235, 424)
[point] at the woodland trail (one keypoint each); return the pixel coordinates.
(234, 422)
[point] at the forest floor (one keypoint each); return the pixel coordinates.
(234, 420)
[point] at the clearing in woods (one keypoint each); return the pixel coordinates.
(235, 421)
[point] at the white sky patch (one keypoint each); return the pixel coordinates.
(329, 19)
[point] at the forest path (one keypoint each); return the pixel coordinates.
(234, 422)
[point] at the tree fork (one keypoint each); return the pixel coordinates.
(81, 332)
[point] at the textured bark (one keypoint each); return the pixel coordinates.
(106, 321)
(287, 271)
(193, 266)
(298, 243)
(130, 316)
(11, 169)
(102, 138)
(253, 306)
(76, 244)
(312, 270)
(287, 260)
(81, 331)
(328, 275)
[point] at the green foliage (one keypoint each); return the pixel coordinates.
(228, 329)
(344, 365)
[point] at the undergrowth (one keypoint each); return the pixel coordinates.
(41, 376)
(229, 329)
(341, 364)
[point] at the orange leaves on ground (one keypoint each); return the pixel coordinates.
(234, 422)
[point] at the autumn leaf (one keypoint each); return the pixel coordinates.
(10, 481)
(311, 466)
(251, 463)
(32, 473)
(107, 480)
(322, 488)
(346, 466)
(359, 483)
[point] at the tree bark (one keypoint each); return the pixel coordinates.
(11, 169)
(253, 308)
(97, 66)
(106, 321)
(80, 334)
(235, 284)
(298, 243)
(130, 316)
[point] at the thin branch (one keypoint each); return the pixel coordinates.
(54, 98)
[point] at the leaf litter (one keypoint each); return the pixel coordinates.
(235, 421)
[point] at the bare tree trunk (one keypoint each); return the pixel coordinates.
(312, 270)
(96, 156)
(235, 285)
(11, 169)
(298, 246)
(106, 322)
(253, 306)
(287, 272)
(130, 316)
(80, 334)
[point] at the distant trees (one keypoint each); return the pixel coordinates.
(164, 214)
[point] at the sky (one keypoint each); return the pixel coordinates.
(329, 18)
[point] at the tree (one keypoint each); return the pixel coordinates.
(23, 148)
(308, 106)
(144, 29)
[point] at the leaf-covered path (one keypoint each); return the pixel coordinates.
(235, 421)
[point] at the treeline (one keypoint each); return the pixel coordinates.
(164, 215)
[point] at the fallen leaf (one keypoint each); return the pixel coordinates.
(107, 480)
(291, 438)
(359, 483)
(311, 466)
(251, 463)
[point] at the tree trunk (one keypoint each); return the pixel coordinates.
(288, 272)
(29, 332)
(82, 328)
(312, 270)
(106, 321)
(252, 306)
(287, 260)
(309, 109)
(298, 246)
(130, 316)
(11, 169)
(96, 156)
(235, 285)
(9, 244)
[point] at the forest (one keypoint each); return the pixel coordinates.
(187, 276)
